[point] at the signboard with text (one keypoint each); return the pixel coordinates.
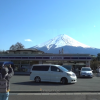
(57, 58)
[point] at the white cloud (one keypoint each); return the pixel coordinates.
(28, 40)
(94, 26)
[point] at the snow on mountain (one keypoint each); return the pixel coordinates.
(62, 40)
(69, 45)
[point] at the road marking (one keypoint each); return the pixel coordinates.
(40, 89)
(90, 94)
(77, 93)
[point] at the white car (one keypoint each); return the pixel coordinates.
(52, 73)
(86, 72)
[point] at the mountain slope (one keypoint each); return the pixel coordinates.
(68, 44)
(61, 40)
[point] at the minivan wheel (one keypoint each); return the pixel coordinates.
(37, 79)
(64, 81)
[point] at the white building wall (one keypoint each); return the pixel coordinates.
(40, 62)
(87, 63)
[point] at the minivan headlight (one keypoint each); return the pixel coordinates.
(73, 74)
(69, 74)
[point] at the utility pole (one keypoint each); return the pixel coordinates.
(59, 52)
(62, 50)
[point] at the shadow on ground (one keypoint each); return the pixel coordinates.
(41, 83)
(84, 78)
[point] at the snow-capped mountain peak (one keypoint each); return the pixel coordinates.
(62, 40)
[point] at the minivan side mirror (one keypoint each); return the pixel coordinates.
(58, 70)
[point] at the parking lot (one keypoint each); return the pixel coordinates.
(23, 83)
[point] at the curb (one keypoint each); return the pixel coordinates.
(74, 94)
(54, 91)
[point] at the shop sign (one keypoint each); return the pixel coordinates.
(56, 57)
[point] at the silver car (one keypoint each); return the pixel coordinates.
(86, 72)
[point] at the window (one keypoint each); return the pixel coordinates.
(86, 69)
(40, 68)
(17, 52)
(68, 67)
(63, 69)
(36, 68)
(53, 68)
(25, 52)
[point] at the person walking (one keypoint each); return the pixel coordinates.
(6, 73)
(10, 72)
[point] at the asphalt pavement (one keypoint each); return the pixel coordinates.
(52, 96)
(22, 83)
(22, 88)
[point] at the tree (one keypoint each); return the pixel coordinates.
(3, 52)
(17, 46)
(12, 47)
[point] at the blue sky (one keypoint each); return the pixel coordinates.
(41, 20)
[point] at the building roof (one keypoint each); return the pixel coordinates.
(26, 50)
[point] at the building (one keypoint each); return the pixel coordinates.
(24, 58)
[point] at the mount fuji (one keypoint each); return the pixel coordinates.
(69, 45)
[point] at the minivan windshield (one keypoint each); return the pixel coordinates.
(67, 67)
(63, 69)
(86, 69)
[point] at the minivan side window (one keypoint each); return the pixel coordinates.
(40, 68)
(53, 68)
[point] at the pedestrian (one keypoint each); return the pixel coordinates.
(98, 71)
(10, 72)
(6, 73)
(77, 70)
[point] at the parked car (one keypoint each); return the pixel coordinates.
(86, 72)
(51, 73)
